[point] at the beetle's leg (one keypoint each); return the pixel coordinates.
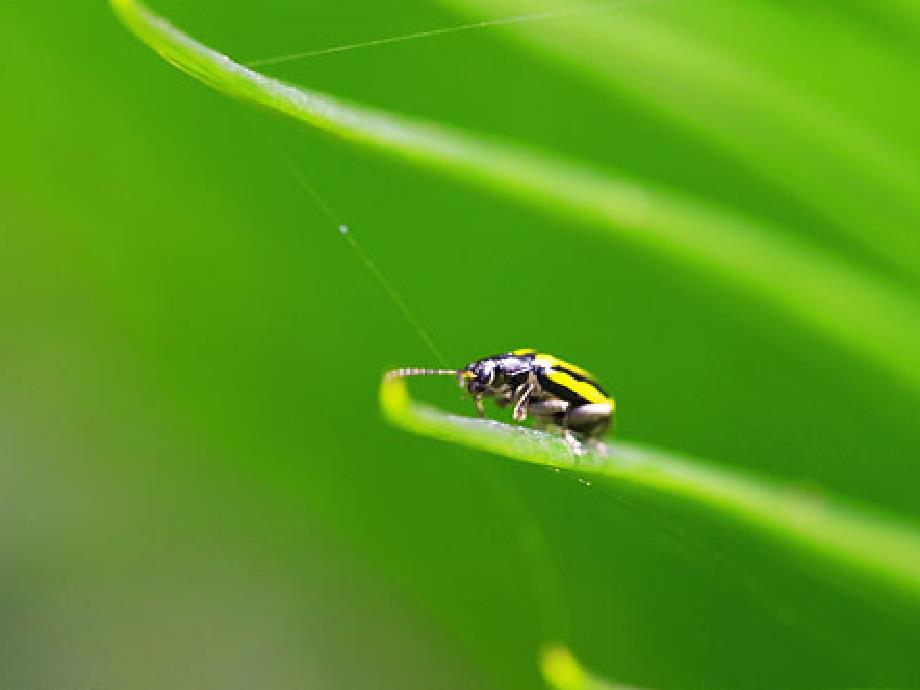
(591, 420)
(480, 410)
(502, 399)
(521, 396)
(575, 446)
(548, 415)
(546, 412)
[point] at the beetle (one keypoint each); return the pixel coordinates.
(555, 393)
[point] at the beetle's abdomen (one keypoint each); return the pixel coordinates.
(569, 382)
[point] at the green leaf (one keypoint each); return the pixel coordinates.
(686, 63)
(862, 313)
(854, 537)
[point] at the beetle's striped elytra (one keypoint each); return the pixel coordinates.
(555, 393)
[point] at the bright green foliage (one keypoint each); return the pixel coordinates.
(780, 113)
(709, 204)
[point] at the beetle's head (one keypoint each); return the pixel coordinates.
(480, 377)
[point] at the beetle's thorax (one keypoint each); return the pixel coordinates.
(498, 375)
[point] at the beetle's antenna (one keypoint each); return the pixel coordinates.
(370, 265)
(414, 371)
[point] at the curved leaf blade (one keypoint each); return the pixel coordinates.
(848, 171)
(562, 671)
(866, 315)
(851, 536)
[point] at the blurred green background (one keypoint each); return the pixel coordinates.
(196, 488)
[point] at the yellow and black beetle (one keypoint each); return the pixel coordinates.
(552, 391)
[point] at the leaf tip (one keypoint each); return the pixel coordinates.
(394, 396)
(560, 669)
